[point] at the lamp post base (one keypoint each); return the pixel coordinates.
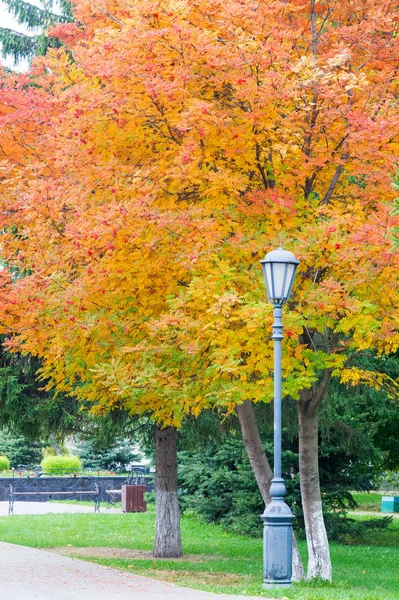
(277, 541)
(274, 586)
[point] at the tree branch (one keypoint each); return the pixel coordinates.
(321, 389)
(334, 181)
(314, 30)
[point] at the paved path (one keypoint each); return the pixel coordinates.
(375, 514)
(42, 508)
(30, 574)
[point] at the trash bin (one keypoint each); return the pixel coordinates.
(390, 504)
(133, 498)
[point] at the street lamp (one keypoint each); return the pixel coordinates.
(279, 267)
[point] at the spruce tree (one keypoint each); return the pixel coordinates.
(27, 409)
(36, 20)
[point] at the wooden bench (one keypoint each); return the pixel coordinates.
(41, 485)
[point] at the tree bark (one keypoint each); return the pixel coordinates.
(255, 451)
(167, 542)
(319, 563)
(262, 471)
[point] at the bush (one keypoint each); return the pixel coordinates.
(4, 463)
(61, 464)
(387, 481)
(149, 497)
(219, 486)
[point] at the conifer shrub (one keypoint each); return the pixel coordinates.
(218, 485)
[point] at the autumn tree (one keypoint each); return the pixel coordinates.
(167, 158)
(395, 211)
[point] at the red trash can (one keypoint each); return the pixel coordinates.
(133, 498)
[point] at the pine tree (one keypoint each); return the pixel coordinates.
(36, 20)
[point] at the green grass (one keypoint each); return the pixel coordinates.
(368, 501)
(214, 560)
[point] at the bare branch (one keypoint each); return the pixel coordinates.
(334, 181)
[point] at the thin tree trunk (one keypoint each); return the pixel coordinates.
(167, 542)
(57, 447)
(319, 564)
(255, 451)
(262, 471)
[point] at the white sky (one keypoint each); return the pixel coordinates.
(5, 19)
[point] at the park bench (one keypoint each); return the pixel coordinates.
(44, 486)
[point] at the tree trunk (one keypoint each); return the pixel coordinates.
(262, 471)
(56, 446)
(255, 451)
(319, 564)
(167, 542)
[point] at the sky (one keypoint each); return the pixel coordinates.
(5, 19)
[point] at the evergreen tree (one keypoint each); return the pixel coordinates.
(115, 456)
(27, 409)
(36, 20)
(19, 450)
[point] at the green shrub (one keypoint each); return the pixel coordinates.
(61, 464)
(218, 485)
(149, 497)
(387, 481)
(4, 463)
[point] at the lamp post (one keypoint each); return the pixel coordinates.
(279, 267)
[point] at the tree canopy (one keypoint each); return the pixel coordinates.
(164, 149)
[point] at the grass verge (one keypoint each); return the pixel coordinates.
(214, 560)
(369, 501)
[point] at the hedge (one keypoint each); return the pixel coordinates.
(61, 464)
(4, 463)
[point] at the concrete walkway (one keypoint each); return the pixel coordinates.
(30, 574)
(43, 508)
(375, 514)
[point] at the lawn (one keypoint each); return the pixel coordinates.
(214, 559)
(368, 501)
